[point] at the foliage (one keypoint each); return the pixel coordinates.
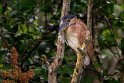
(15, 74)
(31, 26)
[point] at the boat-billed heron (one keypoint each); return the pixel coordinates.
(76, 33)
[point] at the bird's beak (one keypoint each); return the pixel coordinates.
(63, 25)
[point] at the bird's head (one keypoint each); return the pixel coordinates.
(65, 21)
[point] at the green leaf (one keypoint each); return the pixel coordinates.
(26, 5)
(22, 28)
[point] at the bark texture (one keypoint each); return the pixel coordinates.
(89, 15)
(53, 67)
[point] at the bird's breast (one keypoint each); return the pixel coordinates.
(72, 40)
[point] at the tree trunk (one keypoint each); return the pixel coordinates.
(53, 67)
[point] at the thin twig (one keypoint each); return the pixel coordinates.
(89, 15)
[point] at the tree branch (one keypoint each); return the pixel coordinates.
(77, 74)
(53, 67)
(89, 15)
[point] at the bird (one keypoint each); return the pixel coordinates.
(76, 34)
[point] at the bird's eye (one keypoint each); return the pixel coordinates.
(67, 20)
